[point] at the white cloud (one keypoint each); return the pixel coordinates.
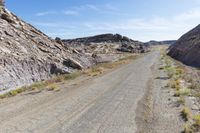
(193, 14)
(45, 13)
(158, 28)
(71, 12)
(86, 7)
(111, 7)
(56, 25)
(92, 7)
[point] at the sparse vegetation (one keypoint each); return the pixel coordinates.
(12, 93)
(51, 86)
(175, 84)
(71, 76)
(181, 100)
(37, 85)
(100, 68)
(197, 120)
(189, 86)
(186, 113)
(195, 85)
(193, 127)
(188, 129)
(94, 71)
(183, 92)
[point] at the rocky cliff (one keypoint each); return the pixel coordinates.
(27, 55)
(187, 48)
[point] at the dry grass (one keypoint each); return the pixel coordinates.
(186, 113)
(197, 120)
(12, 93)
(181, 100)
(101, 68)
(94, 71)
(175, 84)
(188, 129)
(194, 126)
(51, 86)
(183, 92)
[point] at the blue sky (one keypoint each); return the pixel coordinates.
(142, 20)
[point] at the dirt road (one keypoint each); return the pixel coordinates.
(106, 104)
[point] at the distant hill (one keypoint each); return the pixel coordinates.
(187, 48)
(167, 42)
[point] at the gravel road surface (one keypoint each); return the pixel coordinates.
(104, 104)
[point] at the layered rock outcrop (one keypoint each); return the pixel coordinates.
(187, 48)
(27, 55)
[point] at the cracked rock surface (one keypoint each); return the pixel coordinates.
(27, 55)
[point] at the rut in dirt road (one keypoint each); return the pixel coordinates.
(106, 104)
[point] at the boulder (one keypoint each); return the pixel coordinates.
(72, 63)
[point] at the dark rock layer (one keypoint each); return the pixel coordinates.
(187, 48)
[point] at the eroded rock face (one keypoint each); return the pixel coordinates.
(27, 55)
(187, 48)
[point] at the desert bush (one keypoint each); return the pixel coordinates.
(197, 120)
(71, 76)
(186, 113)
(188, 129)
(53, 87)
(181, 100)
